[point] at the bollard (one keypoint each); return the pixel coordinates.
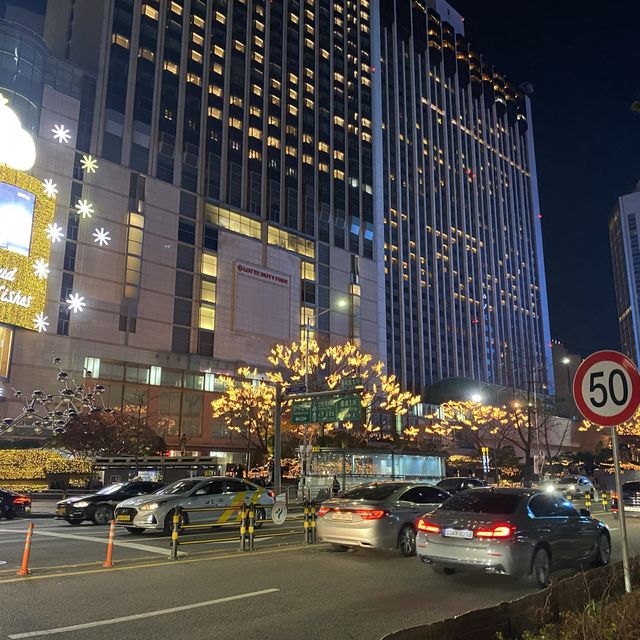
(314, 517)
(243, 527)
(604, 500)
(24, 568)
(112, 532)
(175, 532)
(569, 497)
(252, 524)
(306, 522)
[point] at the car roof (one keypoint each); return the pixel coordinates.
(518, 491)
(456, 478)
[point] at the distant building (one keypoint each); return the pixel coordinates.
(625, 254)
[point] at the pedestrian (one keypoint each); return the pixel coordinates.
(182, 443)
(335, 487)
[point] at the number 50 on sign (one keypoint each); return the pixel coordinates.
(606, 388)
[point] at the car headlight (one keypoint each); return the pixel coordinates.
(572, 487)
(81, 504)
(152, 506)
(549, 488)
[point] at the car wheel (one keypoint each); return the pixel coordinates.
(260, 517)
(602, 554)
(74, 522)
(540, 569)
(102, 515)
(407, 541)
(443, 571)
(168, 522)
(136, 531)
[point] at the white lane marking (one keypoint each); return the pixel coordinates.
(141, 616)
(128, 545)
(613, 528)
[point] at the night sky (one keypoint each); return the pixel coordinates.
(583, 59)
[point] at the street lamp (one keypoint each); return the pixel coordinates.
(476, 397)
(341, 303)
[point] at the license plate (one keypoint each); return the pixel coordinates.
(346, 517)
(467, 534)
(121, 517)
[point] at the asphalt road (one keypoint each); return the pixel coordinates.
(283, 590)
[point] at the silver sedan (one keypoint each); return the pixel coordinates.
(519, 532)
(379, 515)
(155, 511)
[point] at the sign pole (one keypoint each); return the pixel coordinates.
(621, 516)
(277, 443)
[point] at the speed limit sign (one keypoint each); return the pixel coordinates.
(606, 388)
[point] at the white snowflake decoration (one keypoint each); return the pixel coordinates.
(60, 133)
(75, 302)
(50, 187)
(41, 268)
(55, 233)
(40, 322)
(84, 208)
(89, 163)
(102, 237)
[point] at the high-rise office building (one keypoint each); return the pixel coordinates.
(259, 163)
(625, 253)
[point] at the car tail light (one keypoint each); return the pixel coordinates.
(271, 494)
(428, 527)
(323, 511)
(21, 500)
(371, 514)
(498, 531)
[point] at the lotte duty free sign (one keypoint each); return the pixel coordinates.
(606, 388)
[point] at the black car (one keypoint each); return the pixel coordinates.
(456, 485)
(13, 504)
(630, 499)
(98, 507)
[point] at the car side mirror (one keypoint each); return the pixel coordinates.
(585, 512)
(201, 492)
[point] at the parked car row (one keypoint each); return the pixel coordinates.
(519, 532)
(140, 506)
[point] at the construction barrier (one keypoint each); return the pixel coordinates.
(24, 567)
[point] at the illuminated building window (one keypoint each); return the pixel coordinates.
(258, 41)
(323, 166)
(338, 155)
(255, 133)
(209, 264)
(291, 130)
(218, 50)
(275, 83)
(194, 79)
(257, 89)
(255, 111)
(308, 72)
(338, 120)
(220, 17)
(259, 25)
(121, 41)
(323, 146)
(239, 46)
(324, 53)
(236, 123)
(366, 137)
(197, 21)
(196, 56)
(292, 151)
(290, 242)
(176, 8)
(338, 174)
(6, 338)
(146, 54)
(149, 11)
(307, 137)
(216, 91)
(216, 67)
(293, 110)
(308, 271)
(171, 67)
(254, 154)
(338, 77)
(233, 222)
(197, 38)
(274, 120)
(273, 142)
(275, 100)
(307, 159)
(308, 87)
(293, 78)
(207, 317)
(235, 100)
(259, 58)
(214, 112)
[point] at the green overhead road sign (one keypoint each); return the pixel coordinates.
(336, 409)
(351, 383)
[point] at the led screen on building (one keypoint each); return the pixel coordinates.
(25, 213)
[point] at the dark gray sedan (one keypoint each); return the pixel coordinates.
(518, 532)
(378, 515)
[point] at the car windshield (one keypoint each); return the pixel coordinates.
(569, 480)
(483, 502)
(372, 492)
(112, 488)
(180, 486)
(631, 486)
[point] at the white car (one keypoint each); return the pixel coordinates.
(155, 511)
(574, 486)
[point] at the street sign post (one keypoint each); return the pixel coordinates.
(332, 409)
(299, 388)
(352, 382)
(606, 389)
